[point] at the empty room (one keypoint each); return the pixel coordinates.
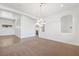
(39, 29)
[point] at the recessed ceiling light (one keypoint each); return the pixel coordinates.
(61, 5)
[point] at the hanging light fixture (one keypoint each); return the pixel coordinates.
(40, 22)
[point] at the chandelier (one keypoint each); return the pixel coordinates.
(41, 22)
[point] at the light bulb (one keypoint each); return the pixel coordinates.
(61, 5)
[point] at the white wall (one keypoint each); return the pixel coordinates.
(23, 26)
(53, 27)
(18, 25)
(66, 24)
(7, 31)
(27, 27)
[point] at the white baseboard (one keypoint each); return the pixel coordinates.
(72, 43)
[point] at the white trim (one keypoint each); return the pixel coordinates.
(66, 42)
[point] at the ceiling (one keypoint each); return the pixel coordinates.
(34, 8)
